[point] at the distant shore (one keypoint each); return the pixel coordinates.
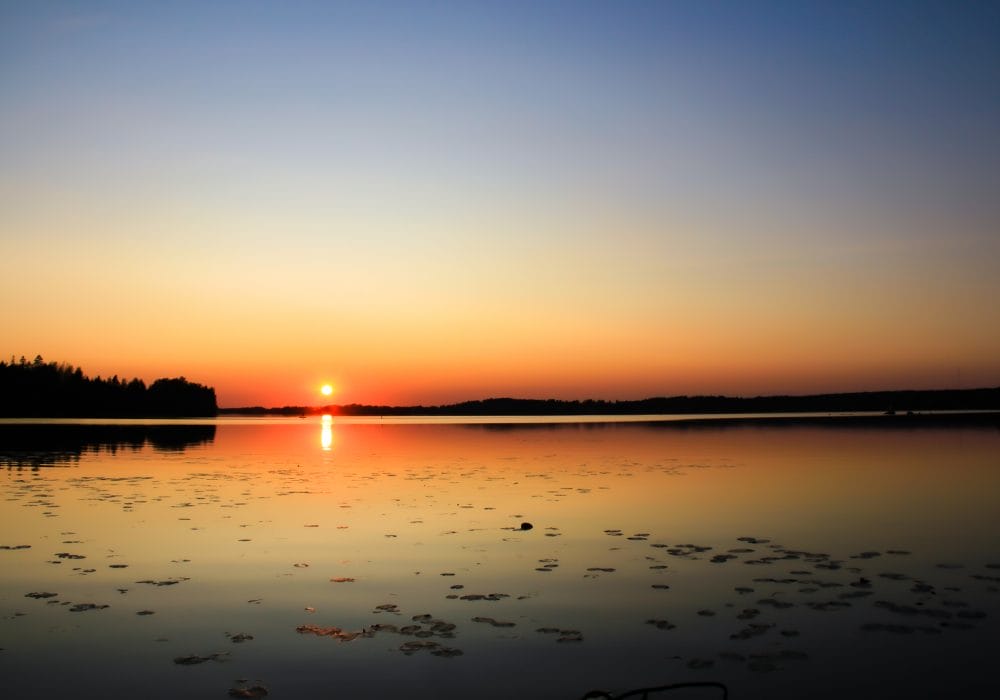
(902, 404)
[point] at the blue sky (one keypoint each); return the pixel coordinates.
(613, 153)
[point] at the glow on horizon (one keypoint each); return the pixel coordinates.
(416, 203)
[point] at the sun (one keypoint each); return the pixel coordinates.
(326, 390)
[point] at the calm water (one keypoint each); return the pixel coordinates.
(784, 561)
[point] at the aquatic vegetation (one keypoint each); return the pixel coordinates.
(82, 607)
(492, 622)
(195, 659)
(484, 596)
(334, 632)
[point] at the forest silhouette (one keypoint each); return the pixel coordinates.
(39, 389)
(903, 403)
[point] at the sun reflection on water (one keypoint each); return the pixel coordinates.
(326, 433)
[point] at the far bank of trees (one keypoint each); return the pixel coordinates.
(34, 389)
(890, 402)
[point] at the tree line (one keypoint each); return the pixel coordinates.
(901, 402)
(40, 389)
(881, 401)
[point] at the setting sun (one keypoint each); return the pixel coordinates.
(326, 390)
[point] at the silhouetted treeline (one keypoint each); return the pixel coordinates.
(34, 445)
(49, 389)
(881, 401)
(277, 411)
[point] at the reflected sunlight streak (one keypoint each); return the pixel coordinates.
(326, 433)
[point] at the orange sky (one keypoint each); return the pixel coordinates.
(536, 203)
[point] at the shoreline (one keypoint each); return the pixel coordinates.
(888, 402)
(957, 418)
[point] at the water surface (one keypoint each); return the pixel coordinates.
(817, 560)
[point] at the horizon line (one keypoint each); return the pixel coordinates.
(620, 401)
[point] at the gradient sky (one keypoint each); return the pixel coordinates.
(426, 202)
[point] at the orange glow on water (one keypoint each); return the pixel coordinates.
(326, 433)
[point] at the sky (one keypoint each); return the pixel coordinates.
(429, 202)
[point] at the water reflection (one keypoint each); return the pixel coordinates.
(326, 433)
(36, 445)
(782, 561)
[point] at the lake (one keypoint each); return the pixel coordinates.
(447, 559)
